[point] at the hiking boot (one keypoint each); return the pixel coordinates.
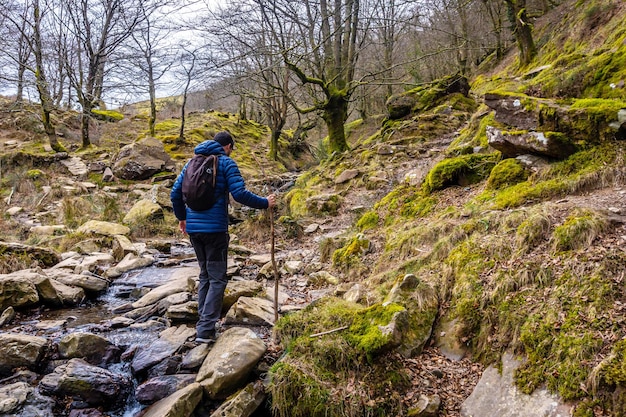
(207, 338)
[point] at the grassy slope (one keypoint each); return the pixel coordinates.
(528, 263)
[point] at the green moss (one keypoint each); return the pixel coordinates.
(350, 254)
(365, 333)
(614, 370)
(462, 170)
(506, 173)
(167, 125)
(368, 221)
(579, 230)
(296, 199)
(35, 174)
(580, 171)
(330, 369)
(107, 115)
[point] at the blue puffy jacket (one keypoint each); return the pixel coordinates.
(229, 180)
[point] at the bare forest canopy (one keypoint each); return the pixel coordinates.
(278, 62)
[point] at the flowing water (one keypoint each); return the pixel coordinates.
(92, 316)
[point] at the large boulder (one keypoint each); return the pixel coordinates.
(169, 342)
(141, 160)
(98, 227)
(17, 291)
(57, 294)
(497, 396)
(90, 283)
(421, 303)
(157, 388)
(516, 143)
(93, 348)
(20, 350)
(42, 256)
(228, 365)
(92, 384)
(182, 403)
(586, 120)
(143, 211)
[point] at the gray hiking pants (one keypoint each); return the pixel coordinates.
(212, 253)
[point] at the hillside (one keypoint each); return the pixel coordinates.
(470, 223)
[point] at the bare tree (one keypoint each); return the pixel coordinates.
(188, 60)
(28, 23)
(319, 42)
(254, 65)
(149, 52)
(98, 28)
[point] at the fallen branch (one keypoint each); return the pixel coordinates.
(338, 329)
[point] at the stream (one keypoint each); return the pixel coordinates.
(94, 315)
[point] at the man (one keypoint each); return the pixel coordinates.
(208, 230)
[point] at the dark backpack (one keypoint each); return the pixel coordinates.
(199, 182)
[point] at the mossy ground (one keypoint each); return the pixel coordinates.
(339, 373)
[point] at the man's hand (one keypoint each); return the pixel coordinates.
(271, 200)
(182, 225)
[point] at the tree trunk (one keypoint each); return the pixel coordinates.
(274, 144)
(335, 115)
(181, 134)
(522, 30)
(153, 111)
(42, 83)
(84, 125)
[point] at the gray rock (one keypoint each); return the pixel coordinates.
(94, 385)
(130, 262)
(251, 311)
(497, 396)
(229, 363)
(7, 316)
(548, 144)
(75, 166)
(22, 400)
(143, 211)
(346, 176)
(182, 403)
(182, 284)
(194, 358)
(20, 350)
(427, 406)
(93, 348)
(157, 388)
(141, 160)
(236, 289)
(183, 312)
(91, 284)
(98, 227)
(57, 294)
(16, 290)
(243, 403)
(170, 340)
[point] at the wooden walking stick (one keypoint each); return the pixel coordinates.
(273, 257)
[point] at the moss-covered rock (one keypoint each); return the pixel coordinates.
(462, 170)
(506, 173)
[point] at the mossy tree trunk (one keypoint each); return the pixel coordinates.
(335, 115)
(522, 30)
(325, 58)
(41, 82)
